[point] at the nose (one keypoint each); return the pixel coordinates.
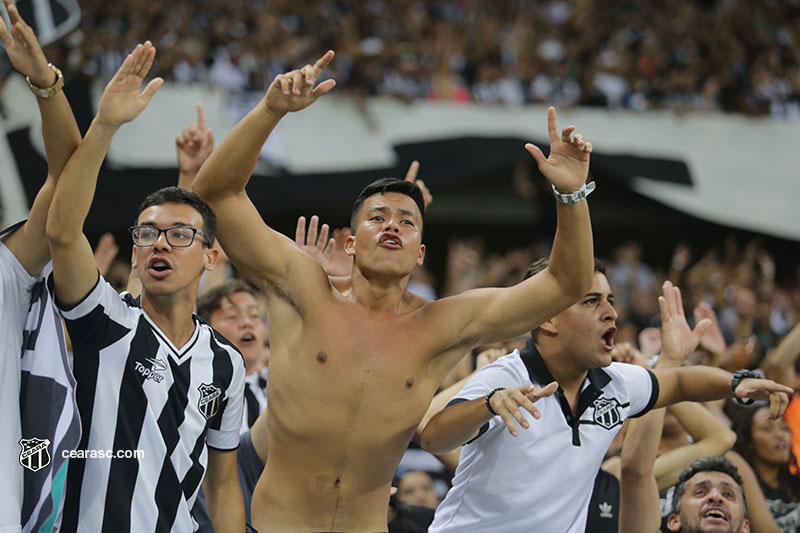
(392, 225)
(609, 313)
(161, 242)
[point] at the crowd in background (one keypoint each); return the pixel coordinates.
(685, 55)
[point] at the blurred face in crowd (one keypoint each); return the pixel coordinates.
(771, 439)
(165, 269)
(712, 503)
(238, 319)
(416, 488)
(587, 328)
(388, 236)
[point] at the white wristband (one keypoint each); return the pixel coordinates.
(575, 196)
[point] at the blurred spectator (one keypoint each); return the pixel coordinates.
(684, 55)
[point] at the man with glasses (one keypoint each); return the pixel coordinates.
(151, 376)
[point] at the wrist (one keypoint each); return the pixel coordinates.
(489, 401)
(271, 114)
(105, 125)
(44, 77)
(574, 196)
(738, 377)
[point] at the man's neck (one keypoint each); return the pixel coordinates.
(173, 316)
(569, 376)
(379, 294)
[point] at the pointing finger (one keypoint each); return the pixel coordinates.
(411, 175)
(552, 131)
(323, 62)
(201, 117)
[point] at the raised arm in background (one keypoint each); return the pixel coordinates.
(59, 129)
(779, 363)
(639, 503)
(193, 146)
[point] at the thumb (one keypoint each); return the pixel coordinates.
(323, 88)
(210, 138)
(543, 392)
(536, 153)
(701, 328)
(154, 85)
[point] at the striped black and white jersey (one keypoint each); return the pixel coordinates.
(255, 398)
(137, 391)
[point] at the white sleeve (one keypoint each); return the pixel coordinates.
(641, 385)
(227, 436)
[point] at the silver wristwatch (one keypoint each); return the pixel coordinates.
(575, 196)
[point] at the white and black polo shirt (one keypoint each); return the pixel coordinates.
(137, 391)
(542, 479)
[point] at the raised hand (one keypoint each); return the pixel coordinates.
(508, 403)
(411, 175)
(713, 340)
(567, 166)
(295, 90)
(194, 145)
(678, 340)
(23, 49)
(317, 246)
(625, 352)
(765, 389)
(122, 101)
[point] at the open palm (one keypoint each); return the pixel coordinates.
(122, 101)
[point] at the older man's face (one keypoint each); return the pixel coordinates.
(712, 503)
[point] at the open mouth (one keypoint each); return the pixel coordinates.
(247, 338)
(390, 241)
(159, 267)
(716, 514)
(608, 339)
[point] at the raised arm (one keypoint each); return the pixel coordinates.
(59, 129)
(491, 315)
(255, 249)
(193, 146)
(702, 383)
(73, 262)
(779, 363)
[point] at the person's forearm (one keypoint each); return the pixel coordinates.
(572, 256)
(784, 355)
(698, 421)
(59, 130)
(454, 425)
(228, 168)
(694, 384)
(226, 508)
(75, 189)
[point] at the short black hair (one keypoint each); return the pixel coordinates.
(382, 186)
(541, 264)
(544, 262)
(212, 300)
(177, 195)
(706, 464)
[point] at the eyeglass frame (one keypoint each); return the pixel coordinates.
(194, 230)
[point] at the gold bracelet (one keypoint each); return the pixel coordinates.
(48, 92)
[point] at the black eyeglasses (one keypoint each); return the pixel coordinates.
(177, 236)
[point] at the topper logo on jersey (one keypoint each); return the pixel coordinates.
(150, 373)
(209, 399)
(606, 413)
(35, 454)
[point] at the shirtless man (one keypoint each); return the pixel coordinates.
(356, 360)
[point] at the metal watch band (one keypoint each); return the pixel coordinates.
(575, 196)
(48, 92)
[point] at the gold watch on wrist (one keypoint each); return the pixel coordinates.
(48, 92)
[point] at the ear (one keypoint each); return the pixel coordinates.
(550, 327)
(211, 258)
(133, 258)
(745, 526)
(350, 245)
(674, 522)
(421, 256)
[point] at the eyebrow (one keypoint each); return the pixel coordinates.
(706, 483)
(598, 295)
(385, 210)
(148, 223)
